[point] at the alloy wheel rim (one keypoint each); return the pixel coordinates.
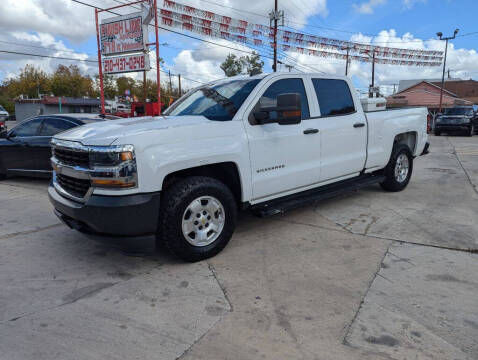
(203, 221)
(402, 166)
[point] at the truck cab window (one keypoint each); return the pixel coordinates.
(219, 101)
(334, 97)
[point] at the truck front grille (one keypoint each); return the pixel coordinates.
(74, 186)
(72, 157)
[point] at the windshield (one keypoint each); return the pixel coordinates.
(218, 101)
(1, 108)
(459, 111)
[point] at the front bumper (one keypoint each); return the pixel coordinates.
(129, 215)
(452, 127)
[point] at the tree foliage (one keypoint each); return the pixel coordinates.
(69, 81)
(234, 65)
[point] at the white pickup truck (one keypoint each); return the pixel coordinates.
(266, 142)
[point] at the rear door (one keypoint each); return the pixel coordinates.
(343, 129)
(49, 128)
(18, 154)
(284, 158)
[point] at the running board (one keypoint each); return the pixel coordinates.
(279, 206)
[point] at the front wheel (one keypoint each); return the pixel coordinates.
(472, 131)
(399, 169)
(198, 218)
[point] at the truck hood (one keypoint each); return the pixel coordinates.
(104, 133)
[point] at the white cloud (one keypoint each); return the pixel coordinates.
(368, 7)
(408, 4)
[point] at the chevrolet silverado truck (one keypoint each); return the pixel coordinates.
(267, 142)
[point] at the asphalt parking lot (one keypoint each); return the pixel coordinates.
(368, 275)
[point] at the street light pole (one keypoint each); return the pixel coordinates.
(440, 35)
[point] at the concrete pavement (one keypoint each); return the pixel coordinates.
(347, 278)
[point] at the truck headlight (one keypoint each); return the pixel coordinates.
(113, 167)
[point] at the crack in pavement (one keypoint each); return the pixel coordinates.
(8, 236)
(71, 298)
(473, 186)
(221, 285)
(379, 266)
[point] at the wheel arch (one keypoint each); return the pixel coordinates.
(226, 172)
(409, 138)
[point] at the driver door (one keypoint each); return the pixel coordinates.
(284, 158)
(18, 153)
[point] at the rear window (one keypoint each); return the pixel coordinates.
(334, 97)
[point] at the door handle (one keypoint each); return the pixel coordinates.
(359, 125)
(311, 131)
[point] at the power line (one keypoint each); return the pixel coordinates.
(47, 56)
(41, 47)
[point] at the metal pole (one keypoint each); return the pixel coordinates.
(157, 54)
(373, 69)
(347, 62)
(144, 89)
(443, 78)
(179, 85)
(275, 35)
(100, 66)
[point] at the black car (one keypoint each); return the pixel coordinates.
(25, 149)
(460, 119)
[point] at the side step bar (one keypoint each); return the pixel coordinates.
(279, 206)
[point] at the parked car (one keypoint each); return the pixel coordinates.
(460, 119)
(3, 114)
(3, 126)
(267, 142)
(25, 149)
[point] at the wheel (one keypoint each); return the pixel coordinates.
(472, 131)
(197, 218)
(437, 133)
(3, 176)
(399, 169)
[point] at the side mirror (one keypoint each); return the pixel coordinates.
(289, 109)
(287, 112)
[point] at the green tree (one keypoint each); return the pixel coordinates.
(30, 82)
(109, 86)
(232, 66)
(68, 81)
(124, 83)
(253, 64)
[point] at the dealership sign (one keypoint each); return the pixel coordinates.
(126, 63)
(123, 34)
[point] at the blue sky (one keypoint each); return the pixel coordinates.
(31, 23)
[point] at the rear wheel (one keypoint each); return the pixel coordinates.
(399, 169)
(437, 133)
(198, 218)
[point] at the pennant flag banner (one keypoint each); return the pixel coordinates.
(210, 24)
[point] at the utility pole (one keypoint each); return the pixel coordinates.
(347, 61)
(373, 69)
(144, 89)
(274, 17)
(290, 67)
(179, 85)
(170, 83)
(440, 35)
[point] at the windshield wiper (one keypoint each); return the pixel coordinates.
(220, 99)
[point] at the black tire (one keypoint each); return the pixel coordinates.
(175, 202)
(3, 176)
(472, 131)
(437, 133)
(391, 183)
